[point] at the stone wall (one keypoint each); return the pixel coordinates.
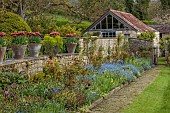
(135, 44)
(33, 65)
(105, 43)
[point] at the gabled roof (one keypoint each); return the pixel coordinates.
(127, 18)
(163, 28)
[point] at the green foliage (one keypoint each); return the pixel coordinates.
(67, 29)
(140, 9)
(72, 71)
(70, 98)
(19, 40)
(34, 39)
(165, 4)
(38, 77)
(3, 42)
(148, 22)
(129, 6)
(48, 23)
(8, 78)
(53, 70)
(60, 23)
(147, 36)
(71, 40)
(119, 39)
(10, 22)
(50, 42)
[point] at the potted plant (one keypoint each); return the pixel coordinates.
(53, 43)
(19, 44)
(71, 42)
(3, 45)
(34, 45)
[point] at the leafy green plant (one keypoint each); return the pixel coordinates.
(70, 98)
(8, 78)
(3, 41)
(51, 42)
(53, 70)
(34, 37)
(19, 38)
(71, 38)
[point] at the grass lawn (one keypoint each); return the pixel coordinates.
(161, 61)
(155, 98)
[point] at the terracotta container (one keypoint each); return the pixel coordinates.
(19, 51)
(71, 47)
(34, 49)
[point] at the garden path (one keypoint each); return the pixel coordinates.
(124, 97)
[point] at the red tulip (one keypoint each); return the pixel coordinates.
(2, 34)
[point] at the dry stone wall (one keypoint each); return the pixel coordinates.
(31, 66)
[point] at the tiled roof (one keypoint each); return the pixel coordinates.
(132, 21)
(163, 28)
(127, 18)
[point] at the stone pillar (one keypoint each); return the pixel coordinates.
(155, 61)
(166, 51)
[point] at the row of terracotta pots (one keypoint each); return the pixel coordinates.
(19, 51)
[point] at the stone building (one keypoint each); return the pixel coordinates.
(164, 29)
(114, 22)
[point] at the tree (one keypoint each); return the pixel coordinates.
(141, 9)
(92, 9)
(129, 5)
(29, 8)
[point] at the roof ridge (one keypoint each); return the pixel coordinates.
(120, 11)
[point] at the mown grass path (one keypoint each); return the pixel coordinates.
(155, 98)
(126, 95)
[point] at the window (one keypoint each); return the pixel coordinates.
(109, 21)
(108, 34)
(115, 23)
(121, 25)
(98, 26)
(103, 23)
(126, 35)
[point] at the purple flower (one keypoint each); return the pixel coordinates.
(6, 93)
(12, 95)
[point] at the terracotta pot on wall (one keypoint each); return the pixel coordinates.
(2, 53)
(34, 49)
(19, 51)
(71, 47)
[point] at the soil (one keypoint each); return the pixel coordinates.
(125, 96)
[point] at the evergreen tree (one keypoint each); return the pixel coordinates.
(129, 6)
(141, 9)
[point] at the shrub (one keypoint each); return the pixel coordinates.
(10, 22)
(8, 78)
(149, 22)
(149, 35)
